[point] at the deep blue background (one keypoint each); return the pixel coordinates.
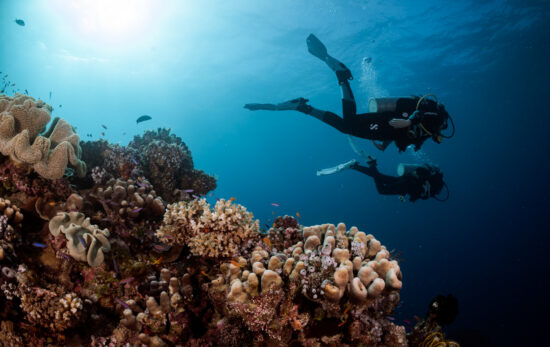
(192, 65)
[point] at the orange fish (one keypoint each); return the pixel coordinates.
(342, 323)
(52, 203)
(157, 261)
(272, 212)
(205, 274)
(233, 199)
(347, 308)
(235, 263)
(267, 241)
(298, 214)
(273, 225)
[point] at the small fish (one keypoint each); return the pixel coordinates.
(342, 323)
(134, 161)
(124, 133)
(161, 247)
(188, 190)
(122, 303)
(50, 95)
(272, 213)
(347, 308)
(205, 274)
(115, 265)
(211, 195)
(104, 126)
(65, 256)
(195, 196)
(52, 203)
(298, 214)
(60, 105)
(235, 263)
(416, 318)
(39, 245)
(143, 118)
(26, 92)
(406, 321)
(266, 225)
(82, 241)
(13, 84)
(275, 204)
(157, 261)
(102, 133)
(127, 280)
(137, 209)
(273, 225)
(267, 241)
(20, 22)
(232, 199)
(390, 318)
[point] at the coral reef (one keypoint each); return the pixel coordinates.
(22, 138)
(100, 260)
(223, 231)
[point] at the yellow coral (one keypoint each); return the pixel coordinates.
(22, 120)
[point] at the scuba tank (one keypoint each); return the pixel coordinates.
(407, 169)
(398, 104)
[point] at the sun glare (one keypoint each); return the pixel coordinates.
(108, 21)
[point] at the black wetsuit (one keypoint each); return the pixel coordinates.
(413, 184)
(375, 126)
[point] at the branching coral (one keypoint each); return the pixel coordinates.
(218, 232)
(85, 242)
(22, 120)
(51, 309)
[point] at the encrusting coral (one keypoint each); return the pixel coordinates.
(219, 232)
(85, 241)
(22, 122)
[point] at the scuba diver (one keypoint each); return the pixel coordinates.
(403, 120)
(416, 181)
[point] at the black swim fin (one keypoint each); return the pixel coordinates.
(316, 47)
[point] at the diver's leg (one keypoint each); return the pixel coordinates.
(318, 49)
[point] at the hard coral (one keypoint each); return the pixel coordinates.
(346, 274)
(85, 242)
(218, 232)
(168, 164)
(51, 309)
(22, 120)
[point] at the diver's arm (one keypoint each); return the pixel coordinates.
(400, 123)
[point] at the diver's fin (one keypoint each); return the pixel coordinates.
(298, 104)
(316, 47)
(337, 168)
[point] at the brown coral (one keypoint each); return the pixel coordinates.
(22, 120)
(50, 309)
(217, 232)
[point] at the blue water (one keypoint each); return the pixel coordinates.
(192, 65)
